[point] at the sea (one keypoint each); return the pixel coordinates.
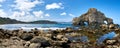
(33, 26)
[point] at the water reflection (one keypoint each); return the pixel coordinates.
(110, 35)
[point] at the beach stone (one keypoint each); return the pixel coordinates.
(37, 40)
(59, 37)
(62, 38)
(14, 46)
(26, 36)
(27, 44)
(35, 45)
(15, 38)
(75, 34)
(1, 35)
(68, 29)
(48, 35)
(111, 41)
(11, 43)
(41, 40)
(5, 34)
(55, 32)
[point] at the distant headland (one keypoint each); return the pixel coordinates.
(13, 21)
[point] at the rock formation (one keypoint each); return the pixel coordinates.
(93, 17)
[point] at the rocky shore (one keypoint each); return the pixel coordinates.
(67, 38)
(90, 31)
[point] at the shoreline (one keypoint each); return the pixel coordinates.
(59, 38)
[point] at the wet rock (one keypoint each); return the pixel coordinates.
(26, 36)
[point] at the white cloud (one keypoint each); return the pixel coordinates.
(2, 13)
(63, 14)
(24, 10)
(71, 15)
(2, 1)
(23, 16)
(39, 13)
(17, 14)
(26, 16)
(54, 6)
(47, 15)
(26, 5)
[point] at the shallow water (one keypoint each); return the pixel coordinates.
(109, 35)
(79, 39)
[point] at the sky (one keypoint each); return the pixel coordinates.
(56, 10)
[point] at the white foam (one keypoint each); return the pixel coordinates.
(52, 28)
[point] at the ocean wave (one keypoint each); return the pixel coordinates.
(52, 28)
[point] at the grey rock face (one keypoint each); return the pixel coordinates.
(92, 17)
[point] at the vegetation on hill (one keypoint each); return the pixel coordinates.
(13, 21)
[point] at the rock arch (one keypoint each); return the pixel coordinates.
(92, 17)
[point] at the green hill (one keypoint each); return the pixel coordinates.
(13, 21)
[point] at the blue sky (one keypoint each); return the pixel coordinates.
(56, 10)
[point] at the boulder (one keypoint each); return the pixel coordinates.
(26, 36)
(27, 44)
(103, 26)
(59, 37)
(35, 45)
(111, 42)
(112, 26)
(41, 40)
